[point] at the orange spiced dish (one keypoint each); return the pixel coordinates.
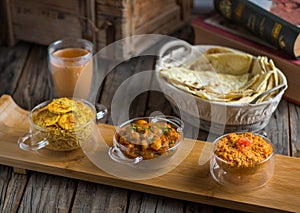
(147, 139)
(242, 150)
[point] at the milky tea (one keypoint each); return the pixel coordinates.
(67, 60)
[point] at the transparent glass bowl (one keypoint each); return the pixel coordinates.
(144, 151)
(242, 178)
(55, 142)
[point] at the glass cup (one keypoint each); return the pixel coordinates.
(67, 59)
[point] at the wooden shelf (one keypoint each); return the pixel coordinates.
(188, 181)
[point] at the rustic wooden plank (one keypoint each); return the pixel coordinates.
(143, 202)
(278, 129)
(186, 6)
(185, 33)
(155, 25)
(108, 92)
(147, 10)
(188, 181)
(112, 11)
(114, 80)
(48, 193)
(134, 201)
(43, 22)
(14, 193)
(33, 87)
(6, 33)
(12, 61)
(157, 102)
(5, 175)
(91, 197)
(144, 67)
(165, 204)
(114, 3)
(295, 129)
(56, 20)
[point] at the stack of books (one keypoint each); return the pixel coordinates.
(217, 29)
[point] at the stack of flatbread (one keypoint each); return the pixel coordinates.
(224, 75)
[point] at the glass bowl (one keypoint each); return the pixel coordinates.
(58, 127)
(147, 142)
(242, 161)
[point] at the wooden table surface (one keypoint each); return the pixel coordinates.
(24, 76)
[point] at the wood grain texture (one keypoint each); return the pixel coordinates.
(42, 22)
(171, 204)
(12, 61)
(33, 87)
(103, 22)
(147, 10)
(188, 181)
(5, 176)
(295, 129)
(47, 193)
(91, 197)
(117, 76)
(6, 32)
(14, 194)
(278, 129)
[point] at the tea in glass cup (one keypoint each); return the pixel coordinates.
(67, 59)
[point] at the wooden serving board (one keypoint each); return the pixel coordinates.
(188, 181)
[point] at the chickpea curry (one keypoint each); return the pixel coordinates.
(147, 139)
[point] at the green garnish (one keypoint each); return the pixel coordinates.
(133, 126)
(166, 129)
(150, 139)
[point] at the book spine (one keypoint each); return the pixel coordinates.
(262, 23)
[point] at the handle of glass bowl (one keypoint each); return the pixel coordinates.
(173, 120)
(101, 111)
(116, 154)
(177, 121)
(29, 137)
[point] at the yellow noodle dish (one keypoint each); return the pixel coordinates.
(64, 122)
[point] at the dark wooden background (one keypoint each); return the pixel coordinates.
(24, 76)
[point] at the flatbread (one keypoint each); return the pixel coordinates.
(224, 75)
(224, 60)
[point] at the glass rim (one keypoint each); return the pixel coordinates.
(179, 129)
(51, 48)
(166, 118)
(45, 103)
(215, 142)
